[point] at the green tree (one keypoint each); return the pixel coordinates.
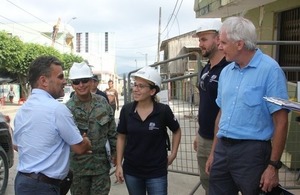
(16, 57)
(11, 51)
(32, 51)
(69, 58)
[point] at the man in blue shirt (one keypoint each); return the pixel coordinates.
(45, 131)
(243, 158)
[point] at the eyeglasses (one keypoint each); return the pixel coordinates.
(77, 81)
(203, 77)
(140, 86)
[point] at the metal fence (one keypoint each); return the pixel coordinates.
(184, 101)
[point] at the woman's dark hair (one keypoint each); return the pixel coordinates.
(153, 97)
(41, 66)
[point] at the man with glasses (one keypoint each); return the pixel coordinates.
(208, 37)
(94, 117)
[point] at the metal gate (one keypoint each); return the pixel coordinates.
(184, 101)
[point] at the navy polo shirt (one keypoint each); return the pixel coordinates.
(145, 154)
(208, 109)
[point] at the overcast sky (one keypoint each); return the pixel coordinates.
(134, 22)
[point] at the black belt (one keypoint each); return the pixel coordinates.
(231, 141)
(237, 141)
(43, 178)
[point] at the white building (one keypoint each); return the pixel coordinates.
(97, 48)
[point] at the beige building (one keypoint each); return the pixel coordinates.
(275, 20)
(174, 48)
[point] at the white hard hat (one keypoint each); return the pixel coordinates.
(214, 25)
(80, 70)
(150, 74)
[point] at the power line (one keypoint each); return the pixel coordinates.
(140, 47)
(171, 17)
(175, 18)
(28, 12)
(43, 34)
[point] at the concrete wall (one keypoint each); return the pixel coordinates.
(265, 19)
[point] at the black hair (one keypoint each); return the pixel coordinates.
(41, 66)
(110, 81)
(157, 89)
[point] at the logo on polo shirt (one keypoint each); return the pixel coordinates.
(152, 126)
(213, 78)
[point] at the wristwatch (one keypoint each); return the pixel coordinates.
(277, 164)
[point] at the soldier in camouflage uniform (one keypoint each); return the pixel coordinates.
(93, 116)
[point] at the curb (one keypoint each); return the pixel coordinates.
(9, 109)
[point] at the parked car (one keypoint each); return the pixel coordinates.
(6, 151)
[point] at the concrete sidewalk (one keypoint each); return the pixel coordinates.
(8, 107)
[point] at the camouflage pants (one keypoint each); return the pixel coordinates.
(91, 184)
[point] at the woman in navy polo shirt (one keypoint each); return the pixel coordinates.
(142, 138)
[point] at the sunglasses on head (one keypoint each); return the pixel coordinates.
(77, 81)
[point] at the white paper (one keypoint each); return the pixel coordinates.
(108, 152)
(288, 104)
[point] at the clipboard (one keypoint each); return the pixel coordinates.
(279, 190)
(288, 104)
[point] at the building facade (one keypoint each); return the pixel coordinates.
(276, 21)
(98, 48)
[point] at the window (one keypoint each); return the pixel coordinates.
(86, 42)
(78, 42)
(106, 41)
(290, 31)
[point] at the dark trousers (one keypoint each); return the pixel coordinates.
(25, 185)
(238, 166)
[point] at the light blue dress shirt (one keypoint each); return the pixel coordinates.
(244, 112)
(44, 131)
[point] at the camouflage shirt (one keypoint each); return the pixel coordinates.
(96, 119)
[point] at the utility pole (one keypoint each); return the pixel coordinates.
(158, 43)
(146, 57)
(55, 31)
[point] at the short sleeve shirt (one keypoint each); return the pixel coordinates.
(145, 152)
(208, 109)
(245, 113)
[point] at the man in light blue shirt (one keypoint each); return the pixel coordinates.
(243, 158)
(45, 132)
